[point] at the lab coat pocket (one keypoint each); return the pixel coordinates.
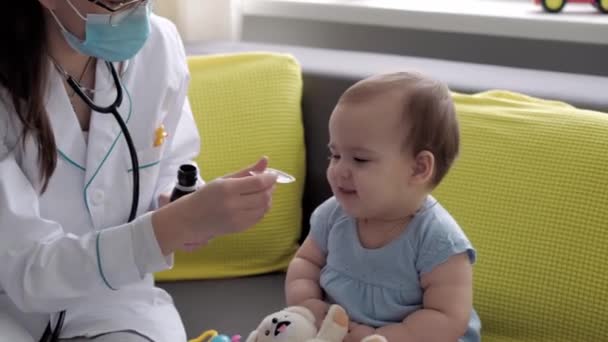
(149, 167)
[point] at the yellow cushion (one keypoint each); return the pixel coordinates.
(531, 191)
(247, 105)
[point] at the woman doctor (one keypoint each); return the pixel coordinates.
(65, 173)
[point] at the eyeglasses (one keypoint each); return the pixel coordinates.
(117, 6)
(119, 10)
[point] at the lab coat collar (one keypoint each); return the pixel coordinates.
(68, 134)
(104, 137)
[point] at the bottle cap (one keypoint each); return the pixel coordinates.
(187, 175)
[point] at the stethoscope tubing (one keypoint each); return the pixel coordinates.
(113, 109)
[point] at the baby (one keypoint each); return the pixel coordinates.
(382, 247)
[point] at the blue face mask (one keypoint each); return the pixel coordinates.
(111, 37)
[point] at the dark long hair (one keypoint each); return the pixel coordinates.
(23, 73)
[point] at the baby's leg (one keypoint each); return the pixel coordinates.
(11, 331)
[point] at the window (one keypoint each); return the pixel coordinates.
(510, 18)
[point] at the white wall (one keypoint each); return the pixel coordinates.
(203, 20)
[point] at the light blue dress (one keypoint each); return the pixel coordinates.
(381, 286)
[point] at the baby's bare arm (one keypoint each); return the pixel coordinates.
(302, 282)
(446, 308)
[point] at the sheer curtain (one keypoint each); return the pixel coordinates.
(203, 20)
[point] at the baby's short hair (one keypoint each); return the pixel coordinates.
(427, 111)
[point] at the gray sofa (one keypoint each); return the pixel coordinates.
(235, 306)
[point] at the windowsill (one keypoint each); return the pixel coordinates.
(580, 23)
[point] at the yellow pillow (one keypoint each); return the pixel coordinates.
(530, 189)
(248, 105)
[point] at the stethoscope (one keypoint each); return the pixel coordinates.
(53, 335)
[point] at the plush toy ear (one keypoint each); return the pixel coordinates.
(335, 325)
(302, 311)
(253, 337)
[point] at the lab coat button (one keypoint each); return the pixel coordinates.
(97, 197)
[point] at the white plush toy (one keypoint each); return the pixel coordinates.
(297, 324)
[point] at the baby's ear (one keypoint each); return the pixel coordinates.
(302, 311)
(253, 337)
(423, 169)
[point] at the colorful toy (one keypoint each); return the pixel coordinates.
(214, 336)
(555, 6)
(296, 324)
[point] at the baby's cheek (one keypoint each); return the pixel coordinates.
(366, 185)
(329, 173)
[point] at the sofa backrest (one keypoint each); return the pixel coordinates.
(530, 189)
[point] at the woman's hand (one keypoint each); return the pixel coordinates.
(225, 205)
(164, 199)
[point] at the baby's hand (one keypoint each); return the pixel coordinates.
(358, 332)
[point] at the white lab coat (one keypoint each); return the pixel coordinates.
(70, 247)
